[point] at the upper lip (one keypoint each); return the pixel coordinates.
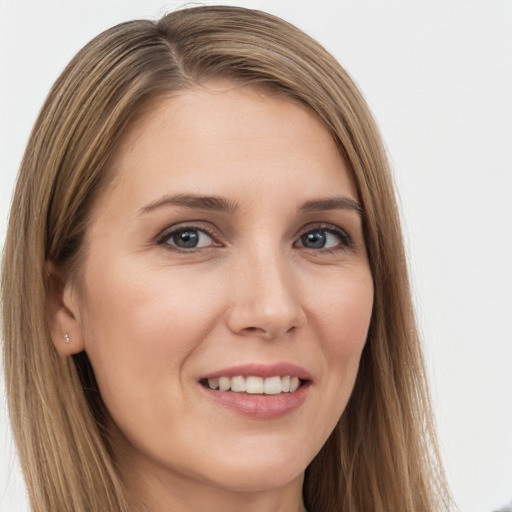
(261, 370)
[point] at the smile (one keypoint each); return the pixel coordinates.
(255, 385)
(260, 391)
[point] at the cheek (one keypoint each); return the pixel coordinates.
(139, 327)
(343, 314)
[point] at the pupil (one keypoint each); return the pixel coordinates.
(186, 239)
(314, 240)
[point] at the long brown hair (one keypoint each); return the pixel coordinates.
(382, 455)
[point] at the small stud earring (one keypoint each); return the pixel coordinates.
(66, 338)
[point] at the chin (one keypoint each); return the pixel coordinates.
(261, 470)
(255, 478)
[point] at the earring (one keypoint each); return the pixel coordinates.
(66, 338)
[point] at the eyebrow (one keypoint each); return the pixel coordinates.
(332, 203)
(221, 204)
(194, 202)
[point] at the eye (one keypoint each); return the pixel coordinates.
(187, 238)
(331, 237)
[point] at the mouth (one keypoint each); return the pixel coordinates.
(255, 385)
(259, 391)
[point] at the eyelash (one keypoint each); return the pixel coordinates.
(343, 237)
(167, 235)
(345, 241)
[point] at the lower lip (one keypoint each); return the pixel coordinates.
(260, 406)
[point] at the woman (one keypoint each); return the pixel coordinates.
(206, 304)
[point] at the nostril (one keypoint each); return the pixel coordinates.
(268, 332)
(255, 329)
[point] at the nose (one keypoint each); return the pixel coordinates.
(265, 300)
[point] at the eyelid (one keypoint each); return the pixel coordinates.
(346, 241)
(164, 235)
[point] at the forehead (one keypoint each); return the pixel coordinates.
(204, 135)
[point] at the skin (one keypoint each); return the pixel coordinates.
(155, 318)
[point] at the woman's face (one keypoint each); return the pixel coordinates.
(229, 244)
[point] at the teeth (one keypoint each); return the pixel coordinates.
(272, 386)
(256, 385)
(224, 383)
(238, 384)
(294, 384)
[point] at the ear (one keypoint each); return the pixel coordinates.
(63, 313)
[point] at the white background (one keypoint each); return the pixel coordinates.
(438, 75)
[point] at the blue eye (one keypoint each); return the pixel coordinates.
(188, 238)
(324, 238)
